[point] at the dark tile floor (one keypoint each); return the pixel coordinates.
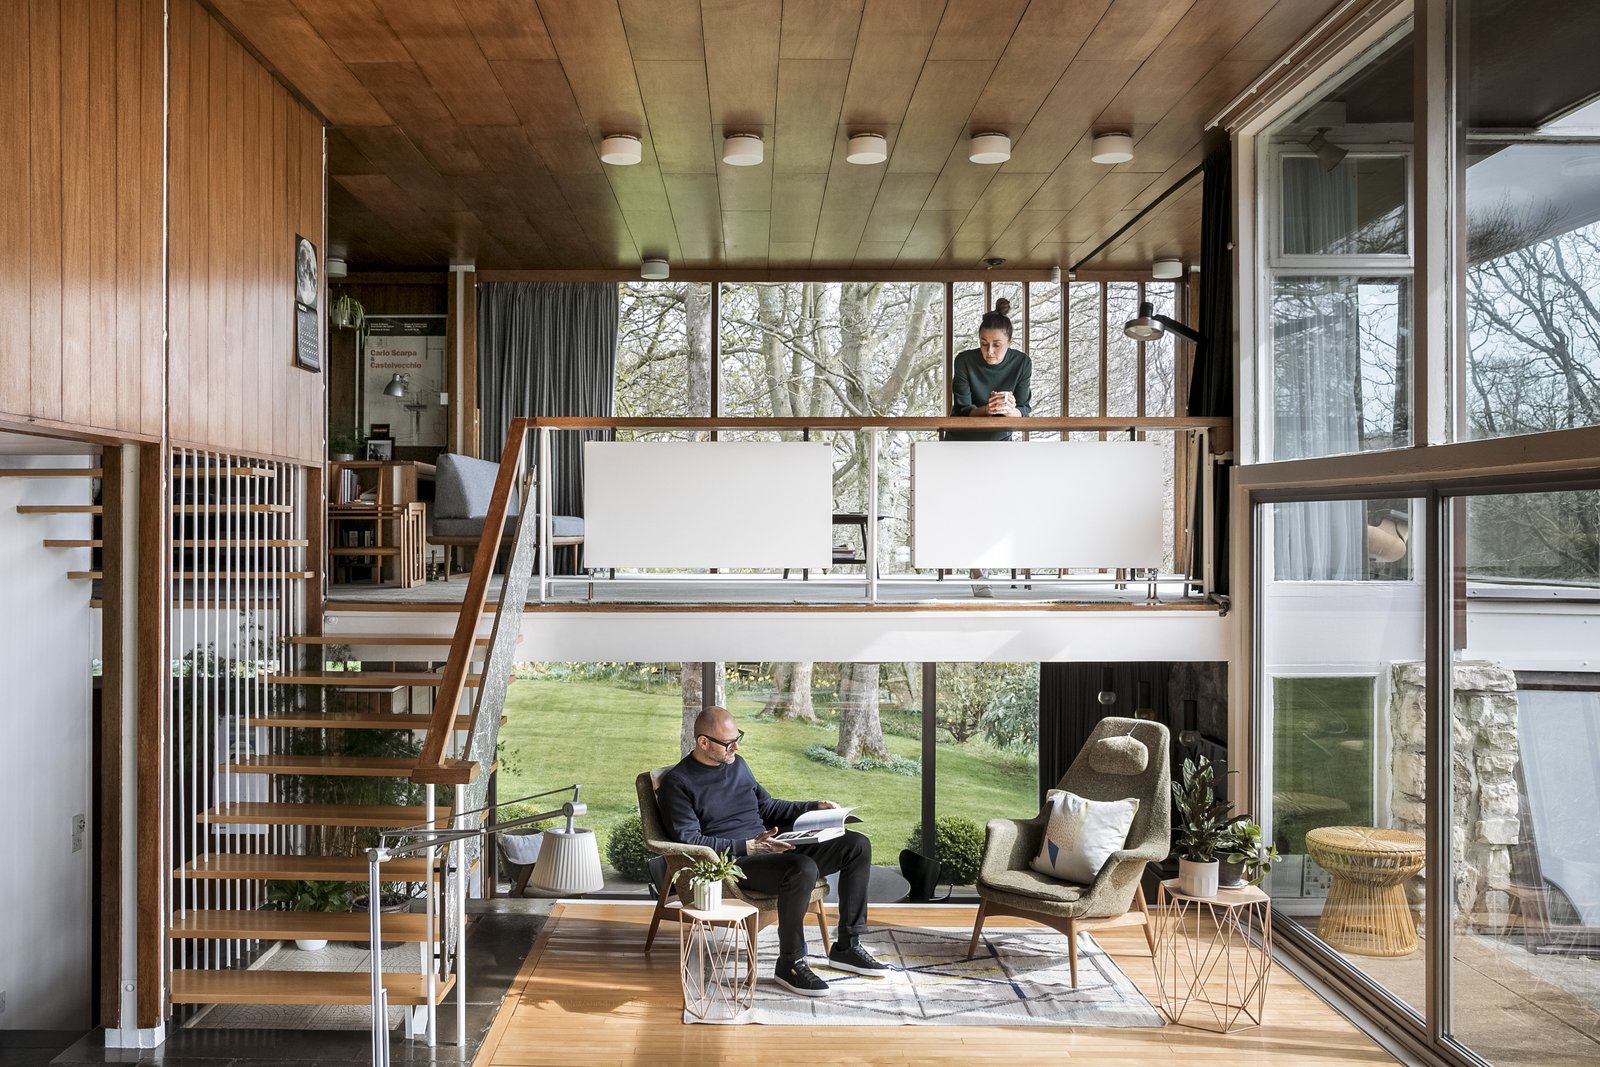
(498, 942)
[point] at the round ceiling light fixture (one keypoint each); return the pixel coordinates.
(1112, 148)
(989, 148)
(1166, 269)
(621, 149)
(867, 148)
(335, 267)
(655, 270)
(742, 150)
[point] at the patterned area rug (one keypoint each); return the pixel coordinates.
(1018, 977)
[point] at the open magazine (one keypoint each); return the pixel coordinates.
(823, 824)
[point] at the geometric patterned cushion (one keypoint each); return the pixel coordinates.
(1082, 834)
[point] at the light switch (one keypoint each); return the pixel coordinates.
(79, 825)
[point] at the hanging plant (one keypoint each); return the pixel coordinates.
(347, 313)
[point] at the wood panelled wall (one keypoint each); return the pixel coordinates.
(80, 215)
(245, 176)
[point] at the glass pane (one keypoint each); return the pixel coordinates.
(1341, 359)
(988, 752)
(1525, 709)
(1122, 351)
(1044, 341)
(663, 352)
(1084, 326)
(1341, 665)
(968, 308)
(1357, 208)
(1532, 285)
(1160, 357)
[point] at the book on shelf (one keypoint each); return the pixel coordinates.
(823, 824)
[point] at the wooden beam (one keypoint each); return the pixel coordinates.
(151, 563)
(108, 774)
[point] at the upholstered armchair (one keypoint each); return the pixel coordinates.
(1122, 758)
(680, 856)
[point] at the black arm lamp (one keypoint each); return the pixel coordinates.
(1152, 327)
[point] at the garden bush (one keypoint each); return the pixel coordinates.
(898, 764)
(957, 845)
(625, 849)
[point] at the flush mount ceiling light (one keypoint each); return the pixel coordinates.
(621, 149)
(742, 150)
(989, 148)
(1166, 269)
(1329, 154)
(866, 148)
(654, 270)
(1112, 148)
(1152, 327)
(336, 267)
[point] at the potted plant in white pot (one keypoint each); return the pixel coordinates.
(309, 896)
(706, 877)
(1246, 861)
(1203, 827)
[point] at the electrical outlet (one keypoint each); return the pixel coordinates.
(80, 823)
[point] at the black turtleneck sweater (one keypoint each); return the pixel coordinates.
(720, 806)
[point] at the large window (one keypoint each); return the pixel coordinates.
(663, 350)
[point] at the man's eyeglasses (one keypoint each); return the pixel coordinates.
(725, 744)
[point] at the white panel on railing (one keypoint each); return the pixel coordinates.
(1039, 504)
(707, 504)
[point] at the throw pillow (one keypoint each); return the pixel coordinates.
(1082, 834)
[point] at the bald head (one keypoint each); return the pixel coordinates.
(712, 727)
(715, 721)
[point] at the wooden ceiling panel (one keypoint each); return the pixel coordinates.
(819, 29)
(810, 95)
(741, 48)
(663, 29)
(472, 127)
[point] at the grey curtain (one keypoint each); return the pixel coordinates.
(547, 348)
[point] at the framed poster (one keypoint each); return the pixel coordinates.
(402, 375)
(307, 319)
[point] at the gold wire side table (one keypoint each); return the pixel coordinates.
(717, 956)
(1213, 956)
(1366, 913)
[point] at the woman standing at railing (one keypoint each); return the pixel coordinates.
(993, 380)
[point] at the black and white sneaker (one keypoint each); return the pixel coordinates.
(857, 959)
(796, 977)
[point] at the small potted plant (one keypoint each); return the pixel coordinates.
(1203, 827)
(1246, 861)
(706, 877)
(309, 896)
(343, 445)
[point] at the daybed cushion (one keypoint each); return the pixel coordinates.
(463, 487)
(1081, 835)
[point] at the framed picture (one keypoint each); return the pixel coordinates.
(307, 293)
(381, 449)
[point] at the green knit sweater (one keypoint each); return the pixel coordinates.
(975, 380)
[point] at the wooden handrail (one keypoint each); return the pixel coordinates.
(1221, 427)
(448, 696)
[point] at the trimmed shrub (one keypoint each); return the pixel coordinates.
(626, 851)
(957, 845)
(898, 764)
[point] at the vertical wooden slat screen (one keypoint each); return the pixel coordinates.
(246, 167)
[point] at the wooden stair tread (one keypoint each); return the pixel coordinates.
(361, 679)
(397, 640)
(58, 509)
(301, 987)
(85, 575)
(381, 815)
(339, 766)
(67, 542)
(351, 720)
(232, 865)
(51, 472)
(225, 924)
(231, 506)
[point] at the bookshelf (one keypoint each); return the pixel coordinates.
(377, 527)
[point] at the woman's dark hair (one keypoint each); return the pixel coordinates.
(999, 318)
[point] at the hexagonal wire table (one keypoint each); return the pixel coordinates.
(1213, 953)
(1366, 913)
(716, 954)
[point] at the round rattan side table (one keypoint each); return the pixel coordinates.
(1366, 913)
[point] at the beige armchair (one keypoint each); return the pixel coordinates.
(1108, 767)
(680, 856)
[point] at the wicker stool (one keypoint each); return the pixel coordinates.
(1366, 913)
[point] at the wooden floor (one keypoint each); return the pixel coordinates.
(589, 994)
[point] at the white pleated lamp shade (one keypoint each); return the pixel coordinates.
(569, 863)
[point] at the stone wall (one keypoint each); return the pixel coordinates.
(1485, 805)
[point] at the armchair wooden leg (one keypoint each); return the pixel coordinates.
(522, 880)
(1072, 950)
(822, 925)
(1149, 931)
(661, 909)
(977, 928)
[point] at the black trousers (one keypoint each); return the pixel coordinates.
(792, 875)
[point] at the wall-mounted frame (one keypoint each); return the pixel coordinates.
(307, 299)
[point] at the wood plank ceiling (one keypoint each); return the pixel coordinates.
(469, 130)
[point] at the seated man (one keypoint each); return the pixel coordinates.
(711, 798)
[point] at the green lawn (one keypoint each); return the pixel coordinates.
(602, 735)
